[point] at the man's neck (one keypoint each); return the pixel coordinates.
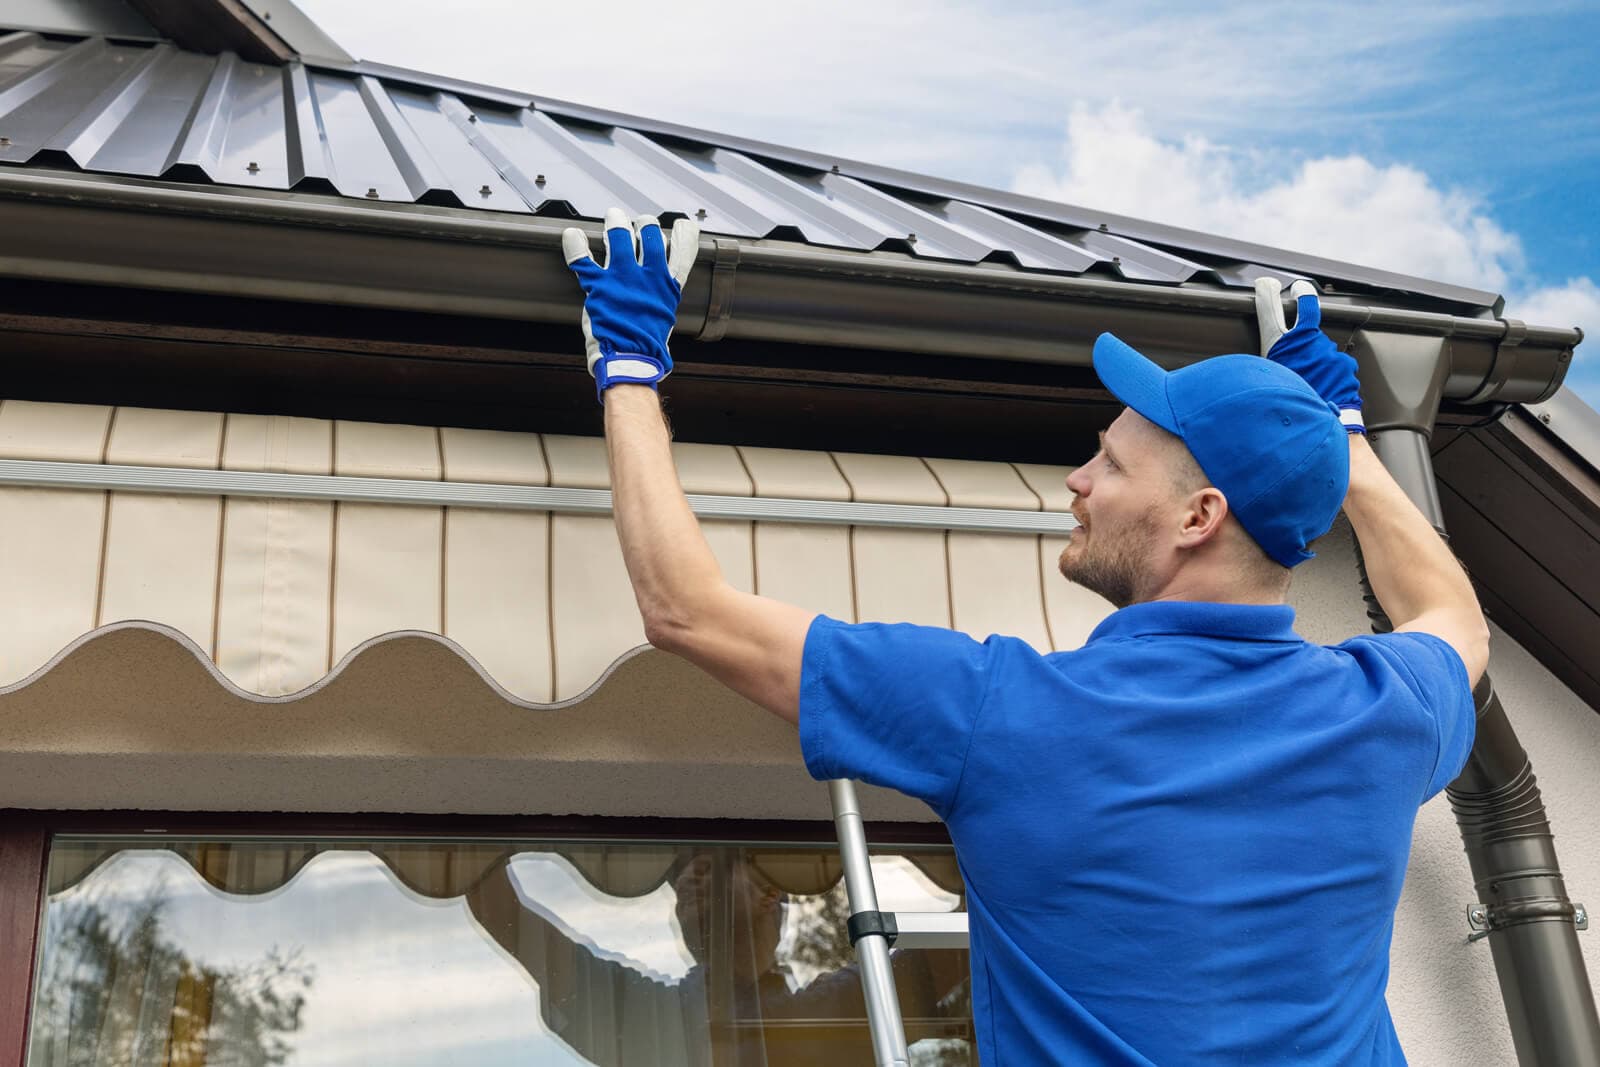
(1211, 589)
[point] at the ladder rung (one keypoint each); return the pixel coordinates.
(931, 929)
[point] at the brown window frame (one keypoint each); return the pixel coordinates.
(25, 838)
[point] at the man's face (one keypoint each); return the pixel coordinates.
(1121, 501)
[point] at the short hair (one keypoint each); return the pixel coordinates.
(1187, 477)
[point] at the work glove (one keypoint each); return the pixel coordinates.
(631, 304)
(1308, 351)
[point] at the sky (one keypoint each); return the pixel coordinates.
(1460, 141)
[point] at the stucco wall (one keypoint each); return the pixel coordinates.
(1442, 990)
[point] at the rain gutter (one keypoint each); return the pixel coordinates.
(89, 229)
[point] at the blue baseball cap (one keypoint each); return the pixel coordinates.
(1259, 432)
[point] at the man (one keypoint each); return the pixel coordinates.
(1183, 842)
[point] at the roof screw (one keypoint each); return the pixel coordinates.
(5, 142)
(372, 194)
(472, 118)
(1116, 261)
(538, 179)
(700, 213)
(1104, 228)
(485, 191)
(254, 167)
(1545, 418)
(835, 169)
(911, 238)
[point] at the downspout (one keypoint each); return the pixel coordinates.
(1523, 908)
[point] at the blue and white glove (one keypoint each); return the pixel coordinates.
(1308, 351)
(631, 304)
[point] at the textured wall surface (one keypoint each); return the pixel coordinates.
(1442, 990)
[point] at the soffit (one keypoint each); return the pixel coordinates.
(1522, 504)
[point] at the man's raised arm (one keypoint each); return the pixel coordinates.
(749, 643)
(1415, 576)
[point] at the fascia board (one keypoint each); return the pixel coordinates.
(1573, 422)
(297, 30)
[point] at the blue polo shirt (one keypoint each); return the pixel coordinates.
(1183, 843)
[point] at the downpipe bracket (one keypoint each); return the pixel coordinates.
(1483, 920)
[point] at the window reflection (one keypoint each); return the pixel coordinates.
(336, 953)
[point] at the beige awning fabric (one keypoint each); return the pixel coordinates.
(277, 592)
(239, 653)
(254, 867)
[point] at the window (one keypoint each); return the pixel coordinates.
(326, 952)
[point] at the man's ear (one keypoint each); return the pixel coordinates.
(1202, 517)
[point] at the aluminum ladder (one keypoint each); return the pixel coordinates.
(872, 932)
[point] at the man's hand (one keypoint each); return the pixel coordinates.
(1308, 351)
(749, 643)
(631, 304)
(1417, 581)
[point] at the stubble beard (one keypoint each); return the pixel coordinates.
(1108, 566)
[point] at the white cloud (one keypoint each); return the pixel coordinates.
(954, 87)
(1341, 207)
(1577, 303)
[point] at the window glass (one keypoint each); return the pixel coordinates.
(406, 952)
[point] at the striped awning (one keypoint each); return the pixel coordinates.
(242, 612)
(276, 592)
(630, 869)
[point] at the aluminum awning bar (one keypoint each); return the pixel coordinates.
(44, 474)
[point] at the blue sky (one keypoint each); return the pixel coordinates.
(1459, 142)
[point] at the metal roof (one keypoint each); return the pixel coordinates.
(362, 131)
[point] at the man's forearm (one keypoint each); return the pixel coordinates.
(1412, 570)
(668, 560)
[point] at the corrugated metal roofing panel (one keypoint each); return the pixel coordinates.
(373, 133)
(138, 124)
(734, 213)
(366, 153)
(1245, 274)
(21, 53)
(62, 86)
(1032, 247)
(1141, 262)
(238, 136)
(473, 176)
(817, 220)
